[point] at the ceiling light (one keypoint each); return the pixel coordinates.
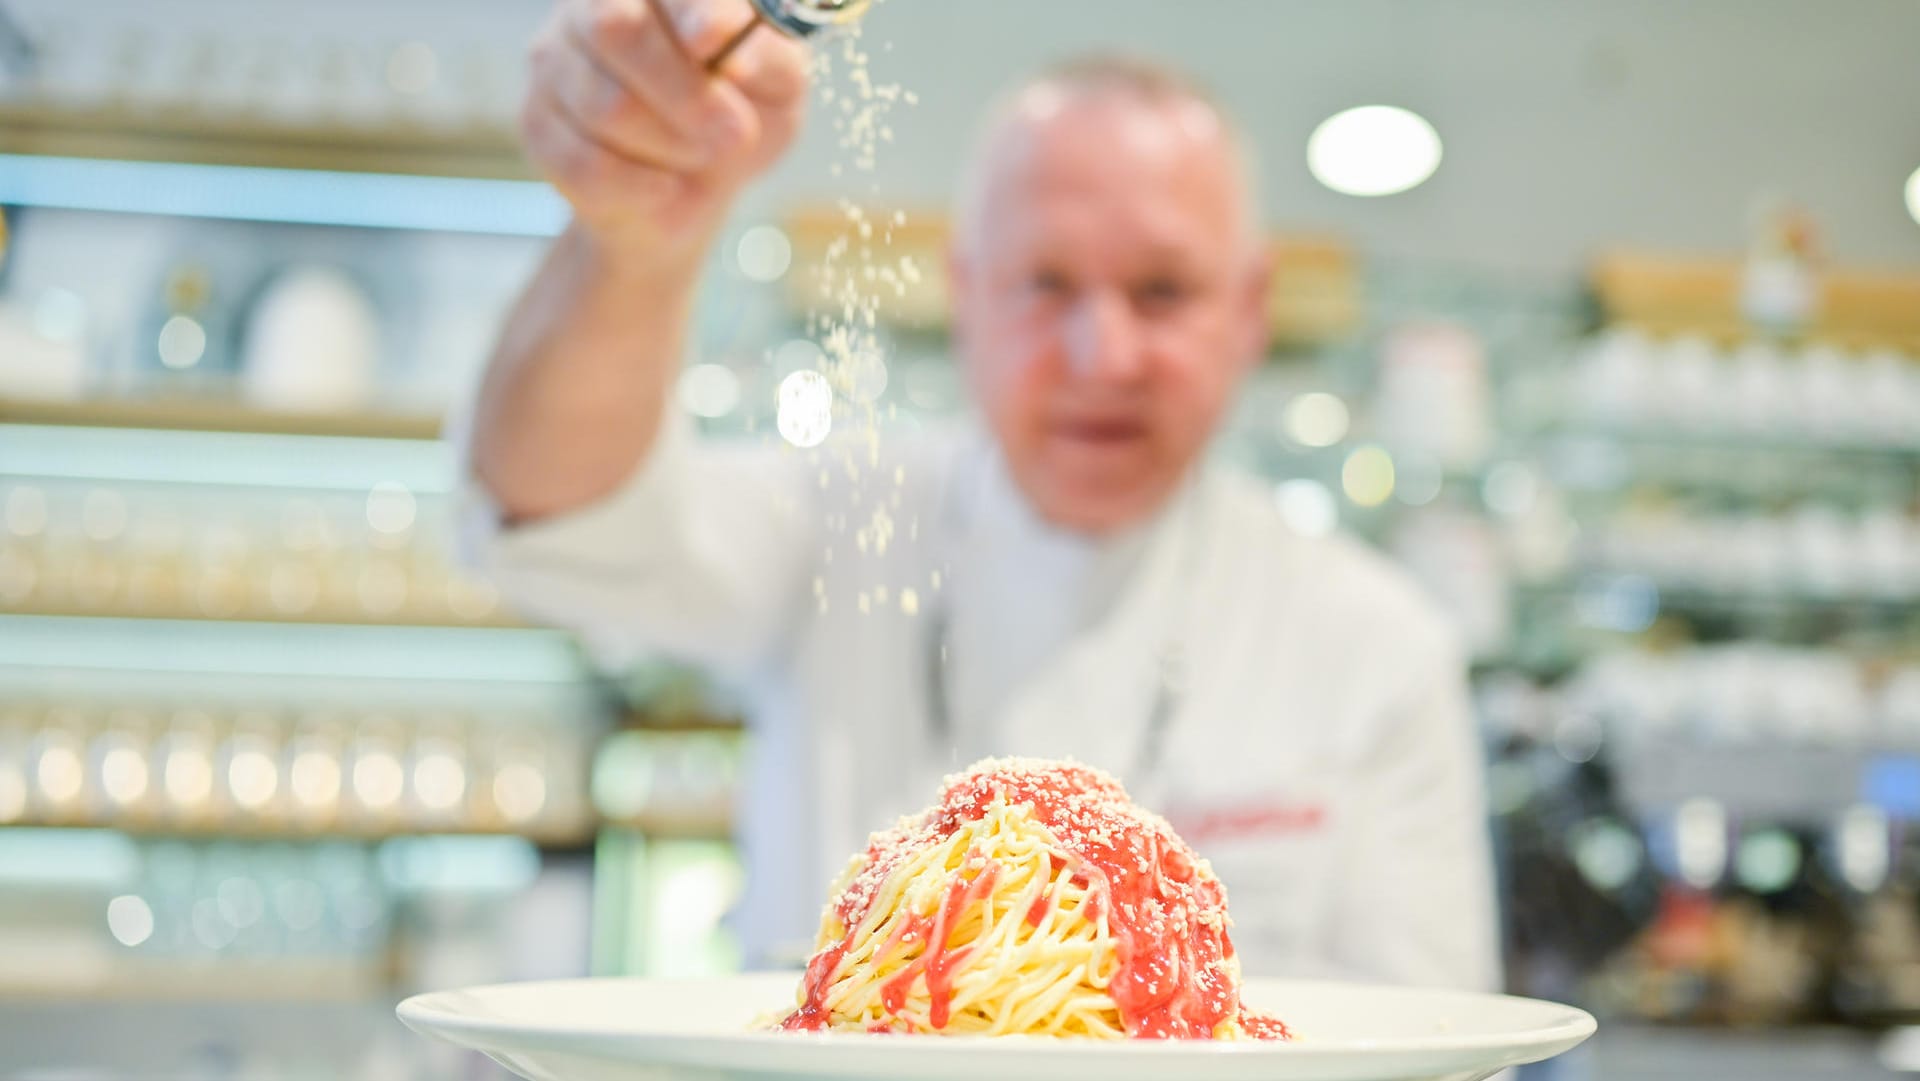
(1373, 150)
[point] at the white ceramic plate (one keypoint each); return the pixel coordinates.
(646, 1030)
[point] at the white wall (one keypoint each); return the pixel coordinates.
(1569, 125)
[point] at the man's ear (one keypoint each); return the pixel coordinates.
(960, 291)
(1255, 306)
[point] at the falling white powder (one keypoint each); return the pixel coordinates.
(857, 275)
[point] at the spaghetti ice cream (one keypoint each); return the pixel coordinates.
(1035, 898)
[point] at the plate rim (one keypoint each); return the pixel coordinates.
(420, 1013)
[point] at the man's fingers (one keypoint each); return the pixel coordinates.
(704, 27)
(628, 122)
(587, 169)
(770, 68)
(635, 44)
(603, 106)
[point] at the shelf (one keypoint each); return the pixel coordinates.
(1538, 664)
(677, 827)
(1728, 443)
(174, 982)
(683, 722)
(252, 616)
(456, 655)
(1769, 781)
(161, 444)
(1701, 600)
(1692, 600)
(1636, 1050)
(199, 137)
(1666, 294)
(550, 837)
(215, 415)
(523, 208)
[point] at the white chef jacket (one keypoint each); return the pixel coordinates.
(1318, 750)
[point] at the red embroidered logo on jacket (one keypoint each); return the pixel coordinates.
(1267, 818)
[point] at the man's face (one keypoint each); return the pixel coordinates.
(1107, 301)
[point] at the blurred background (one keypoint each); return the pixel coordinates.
(1605, 318)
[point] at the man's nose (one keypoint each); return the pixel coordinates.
(1103, 337)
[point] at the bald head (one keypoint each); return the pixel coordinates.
(1152, 109)
(1109, 289)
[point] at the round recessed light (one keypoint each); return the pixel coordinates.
(1913, 196)
(1374, 150)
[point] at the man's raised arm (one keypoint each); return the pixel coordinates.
(650, 148)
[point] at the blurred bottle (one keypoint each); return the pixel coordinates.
(1434, 398)
(1780, 293)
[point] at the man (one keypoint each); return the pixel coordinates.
(1064, 578)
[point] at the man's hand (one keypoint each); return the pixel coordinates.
(649, 145)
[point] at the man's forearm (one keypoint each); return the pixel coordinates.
(577, 388)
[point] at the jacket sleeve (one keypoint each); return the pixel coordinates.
(702, 556)
(1415, 904)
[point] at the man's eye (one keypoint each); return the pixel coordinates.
(1160, 293)
(1049, 284)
